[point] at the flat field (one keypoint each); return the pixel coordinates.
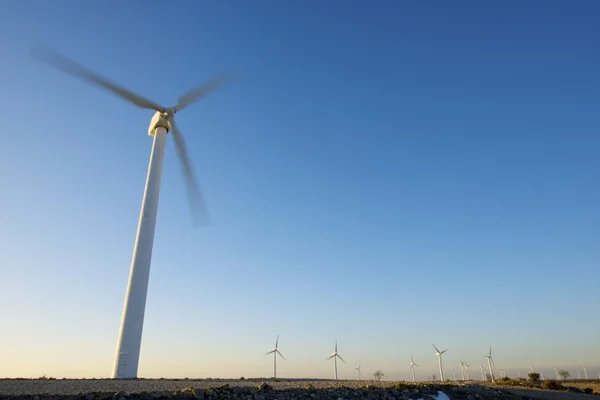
(247, 389)
(268, 389)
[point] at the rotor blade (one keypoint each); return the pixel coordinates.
(277, 341)
(270, 352)
(436, 349)
(493, 363)
(193, 95)
(330, 357)
(442, 352)
(416, 365)
(278, 352)
(342, 359)
(336, 345)
(196, 201)
(60, 62)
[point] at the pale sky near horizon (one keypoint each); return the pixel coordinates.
(388, 174)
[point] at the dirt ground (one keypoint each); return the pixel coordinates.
(530, 394)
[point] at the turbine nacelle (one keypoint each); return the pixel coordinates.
(159, 119)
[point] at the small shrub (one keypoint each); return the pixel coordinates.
(242, 378)
(551, 384)
(563, 373)
(588, 390)
(534, 376)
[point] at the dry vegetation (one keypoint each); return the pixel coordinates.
(578, 386)
(591, 384)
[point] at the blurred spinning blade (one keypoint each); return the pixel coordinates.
(64, 64)
(195, 198)
(193, 95)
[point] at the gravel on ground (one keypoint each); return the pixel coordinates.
(247, 389)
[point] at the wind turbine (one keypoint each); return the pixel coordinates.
(490, 362)
(439, 357)
(462, 370)
(467, 370)
(275, 351)
(542, 375)
(531, 370)
(413, 364)
(502, 373)
(130, 333)
(556, 372)
(358, 371)
(482, 372)
(578, 375)
(335, 356)
(454, 373)
(585, 373)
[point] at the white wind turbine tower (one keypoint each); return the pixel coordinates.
(163, 121)
(335, 356)
(542, 375)
(578, 375)
(275, 351)
(556, 372)
(439, 357)
(358, 371)
(490, 362)
(413, 364)
(502, 373)
(467, 370)
(462, 370)
(482, 372)
(585, 373)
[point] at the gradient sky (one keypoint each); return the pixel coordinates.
(391, 174)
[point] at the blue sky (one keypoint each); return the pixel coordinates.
(391, 175)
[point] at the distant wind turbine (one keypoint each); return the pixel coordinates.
(598, 374)
(335, 356)
(502, 373)
(482, 372)
(454, 373)
(358, 371)
(585, 373)
(518, 374)
(578, 375)
(467, 370)
(490, 362)
(413, 364)
(531, 369)
(275, 351)
(556, 372)
(462, 370)
(439, 357)
(542, 375)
